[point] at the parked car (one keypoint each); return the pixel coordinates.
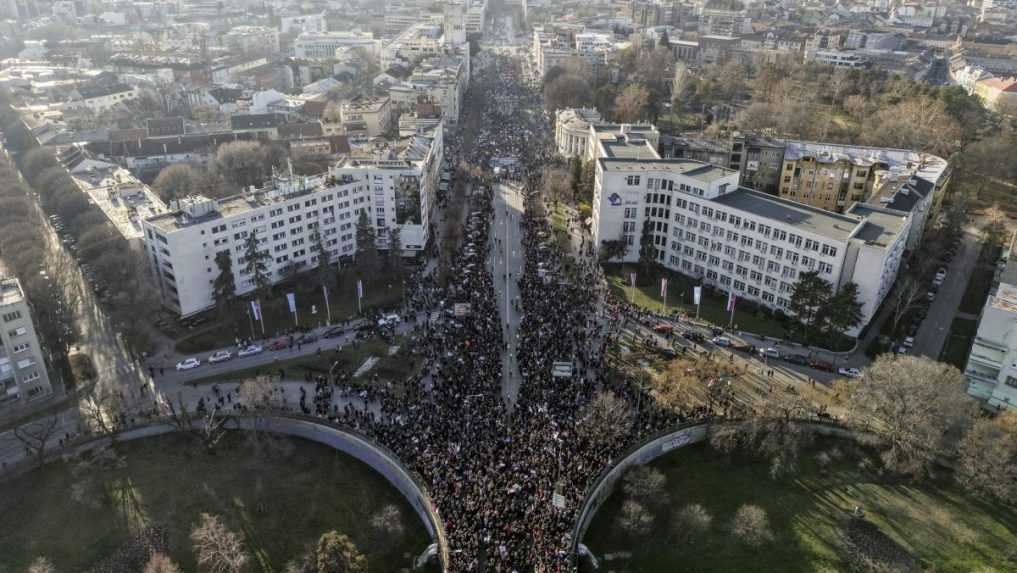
(769, 353)
(663, 328)
(903, 349)
(250, 351)
(389, 320)
(307, 338)
(721, 341)
(694, 336)
(281, 344)
(220, 356)
(821, 365)
(188, 364)
(909, 342)
(334, 332)
(849, 372)
(796, 359)
(742, 346)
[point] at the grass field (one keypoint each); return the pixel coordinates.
(278, 503)
(278, 318)
(958, 344)
(946, 530)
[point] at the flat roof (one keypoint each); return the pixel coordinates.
(626, 149)
(881, 226)
(811, 219)
(698, 170)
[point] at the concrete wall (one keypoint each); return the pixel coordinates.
(650, 450)
(333, 436)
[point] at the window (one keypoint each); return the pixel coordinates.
(20, 347)
(632, 180)
(829, 251)
(12, 316)
(630, 212)
(1011, 381)
(753, 291)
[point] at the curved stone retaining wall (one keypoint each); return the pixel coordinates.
(650, 450)
(335, 437)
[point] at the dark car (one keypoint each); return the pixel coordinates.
(796, 359)
(307, 338)
(334, 332)
(694, 336)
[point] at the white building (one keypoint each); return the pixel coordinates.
(323, 45)
(23, 375)
(707, 227)
(310, 23)
(102, 98)
(396, 186)
(992, 364)
(837, 58)
(259, 39)
(572, 130)
(415, 43)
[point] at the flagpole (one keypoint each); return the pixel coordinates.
(328, 308)
(251, 317)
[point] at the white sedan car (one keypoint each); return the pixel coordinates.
(220, 356)
(849, 372)
(250, 351)
(188, 364)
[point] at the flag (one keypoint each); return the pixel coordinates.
(292, 300)
(256, 309)
(360, 289)
(697, 294)
(663, 288)
(730, 301)
(632, 279)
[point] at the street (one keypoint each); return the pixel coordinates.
(506, 266)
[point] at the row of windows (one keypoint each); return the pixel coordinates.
(692, 268)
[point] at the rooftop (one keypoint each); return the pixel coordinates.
(811, 219)
(10, 291)
(881, 225)
(695, 169)
(626, 148)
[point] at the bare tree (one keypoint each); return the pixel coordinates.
(634, 519)
(632, 104)
(645, 483)
(37, 436)
(994, 229)
(773, 430)
(691, 522)
(605, 418)
(912, 404)
(751, 526)
(41, 565)
(557, 183)
(987, 461)
(218, 549)
(103, 409)
(160, 563)
(210, 426)
(905, 298)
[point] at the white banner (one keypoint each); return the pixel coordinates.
(292, 300)
(697, 294)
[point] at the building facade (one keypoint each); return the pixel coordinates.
(572, 130)
(991, 368)
(735, 239)
(23, 375)
(288, 216)
(323, 45)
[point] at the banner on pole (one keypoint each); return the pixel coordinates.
(663, 288)
(360, 289)
(731, 301)
(256, 309)
(697, 294)
(632, 279)
(292, 300)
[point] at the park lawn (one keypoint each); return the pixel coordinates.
(946, 530)
(958, 343)
(277, 317)
(279, 500)
(395, 368)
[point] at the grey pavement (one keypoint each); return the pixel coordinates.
(933, 332)
(506, 266)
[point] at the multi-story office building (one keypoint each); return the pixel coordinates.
(23, 375)
(991, 369)
(325, 44)
(396, 188)
(251, 39)
(572, 130)
(735, 239)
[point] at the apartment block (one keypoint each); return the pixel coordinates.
(707, 227)
(325, 44)
(23, 375)
(991, 369)
(396, 186)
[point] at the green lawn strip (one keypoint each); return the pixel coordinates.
(280, 502)
(224, 330)
(958, 342)
(979, 285)
(947, 530)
